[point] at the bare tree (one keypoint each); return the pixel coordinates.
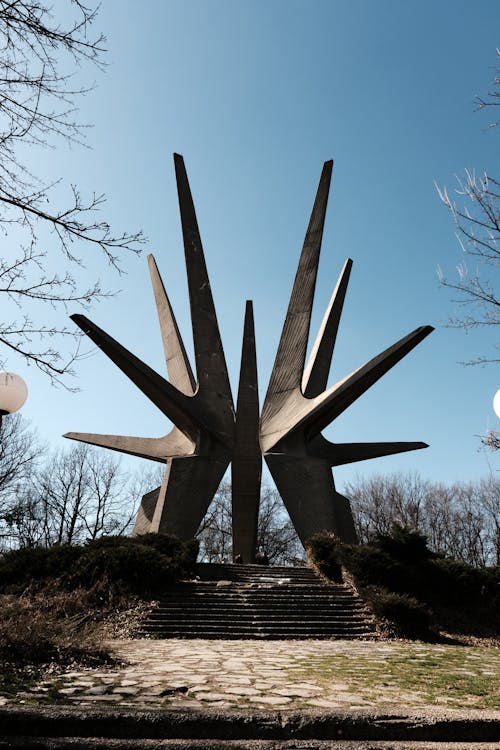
(276, 535)
(215, 532)
(75, 496)
(380, 501)
(40, 61)
(489, 498)
(460, 521)
(20, 454)
(477, 220)
(475, 209)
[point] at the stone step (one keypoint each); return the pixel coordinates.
(178, 615)
(283, 602)
(260, 628)
(256, 597)
(254, 601)
(281, 609)
(263, 633)
(185, 614)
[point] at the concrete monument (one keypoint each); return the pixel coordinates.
(298, 407)
(209, 433)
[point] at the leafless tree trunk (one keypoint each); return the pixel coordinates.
(20, 454)
(77, 495)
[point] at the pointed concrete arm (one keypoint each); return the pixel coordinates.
(317, 370)
(313, 415)
(291, 355)
(338, 454)
(178, 407)
(327, 407)
(211, 366)
(175, 444)
(178, 367)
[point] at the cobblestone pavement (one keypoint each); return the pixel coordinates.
(335, 675)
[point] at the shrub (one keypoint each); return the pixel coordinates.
(18, 568)
(408, 617)
(404, 544)
(137, 568)
(457, 596)
(322, 550)
(142, 565)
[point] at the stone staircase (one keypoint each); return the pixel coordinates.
(253, 601)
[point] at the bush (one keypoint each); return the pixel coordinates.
(404, 544)
(18, 568)
(371, 566)
(459, 598)
(322, 550)
(408, 617)
(142, 565)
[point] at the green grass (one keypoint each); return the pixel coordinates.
(418, 674)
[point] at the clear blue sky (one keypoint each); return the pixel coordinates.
(256, 96)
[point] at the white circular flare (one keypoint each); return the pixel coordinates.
(496, 403)
(13, 392)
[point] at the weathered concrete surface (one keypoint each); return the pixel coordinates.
(197, 451)
(246, 465)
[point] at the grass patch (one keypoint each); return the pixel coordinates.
(416, 674)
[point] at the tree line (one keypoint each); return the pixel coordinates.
(68, 496)
(461, 520)
(81, 493)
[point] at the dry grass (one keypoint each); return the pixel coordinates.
(45, 630)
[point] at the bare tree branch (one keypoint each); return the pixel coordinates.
(475, 210)
(38, 109)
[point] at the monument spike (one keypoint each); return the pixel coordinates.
(155, 449)
(178, 367)
(317, 369)
(330, 405)
(211, 366)
(246, 466)
(178, 407)
(338, 454)
(208, 435)
(313, 415)
(288, 368)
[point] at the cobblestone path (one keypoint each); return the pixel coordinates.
(332, 675)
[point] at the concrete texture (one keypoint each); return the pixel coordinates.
(246, 465)
(253, 730)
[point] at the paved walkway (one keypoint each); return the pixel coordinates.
(333, 675)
